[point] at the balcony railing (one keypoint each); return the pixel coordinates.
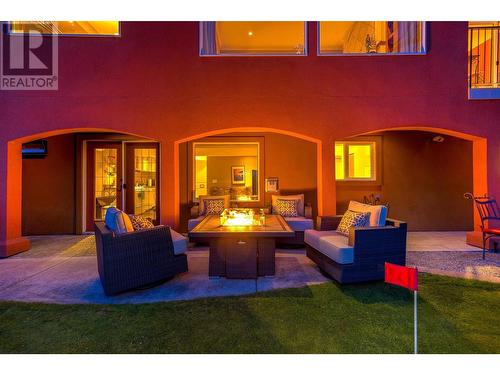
(484, 54)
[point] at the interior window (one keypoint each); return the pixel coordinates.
(371, 37)
(252, 38)
(354, 161)
(67, 27)
(226, 169)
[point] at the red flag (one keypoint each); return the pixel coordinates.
(407, 277)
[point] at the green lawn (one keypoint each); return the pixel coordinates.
(456, 316)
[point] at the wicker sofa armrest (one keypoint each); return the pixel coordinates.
(195, 211)
(308, 213)
(370, 241)
(328, 222)
(396, 223)
(101, 228)
(141, 242)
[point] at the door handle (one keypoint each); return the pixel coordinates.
(241, 242)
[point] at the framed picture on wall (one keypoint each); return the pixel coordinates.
(238, 175)
(272, 185)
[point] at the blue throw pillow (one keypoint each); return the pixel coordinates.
(110, 218)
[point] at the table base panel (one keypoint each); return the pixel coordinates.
(241, 257)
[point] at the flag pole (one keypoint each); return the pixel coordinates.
(415, 315)
(407, 277)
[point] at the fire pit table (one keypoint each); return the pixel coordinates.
(242, 244)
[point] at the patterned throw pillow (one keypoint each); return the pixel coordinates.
(353, 219)
(287, 207)
(214, 206)
(139, 222)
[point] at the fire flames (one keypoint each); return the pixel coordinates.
(241, 217)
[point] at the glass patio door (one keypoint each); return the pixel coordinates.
(142, 180)
(104, 180)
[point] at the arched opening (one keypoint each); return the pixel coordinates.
(311, 171)
(60, 181)
(296, 160)
(422, 172)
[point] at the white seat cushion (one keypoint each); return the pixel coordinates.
(378, 213)
(180, 242)
(337, 248)
(194, 222)
(299, 223)
(312, 236)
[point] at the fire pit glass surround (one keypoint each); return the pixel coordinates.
(235, 217)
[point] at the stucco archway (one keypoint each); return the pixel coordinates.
(479, 156)
(11, 240)
(324, 163)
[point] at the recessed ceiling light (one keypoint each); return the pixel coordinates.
(250, 33)
(438, 139)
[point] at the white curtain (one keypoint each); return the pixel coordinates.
(208, 38)
(409, 37)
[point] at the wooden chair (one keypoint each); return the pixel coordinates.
(488, 212)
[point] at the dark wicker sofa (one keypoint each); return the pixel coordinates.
(131, 260)
(366, 249)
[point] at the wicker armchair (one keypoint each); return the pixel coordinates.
(368, 248)
(136, 259)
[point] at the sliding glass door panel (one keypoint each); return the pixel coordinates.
(104, 180)
(142, 180)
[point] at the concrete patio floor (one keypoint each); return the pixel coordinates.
(62, 269)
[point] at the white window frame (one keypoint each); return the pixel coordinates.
(10, 32)
(193, 174)
(373, 160)
(200, 38)
(423, 53)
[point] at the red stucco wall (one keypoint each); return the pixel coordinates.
(49, 189)
(152, 82)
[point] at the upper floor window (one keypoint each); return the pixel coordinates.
(371, 37)
(355, 161)
(252, 38)
(484, 56)
(100, 28)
